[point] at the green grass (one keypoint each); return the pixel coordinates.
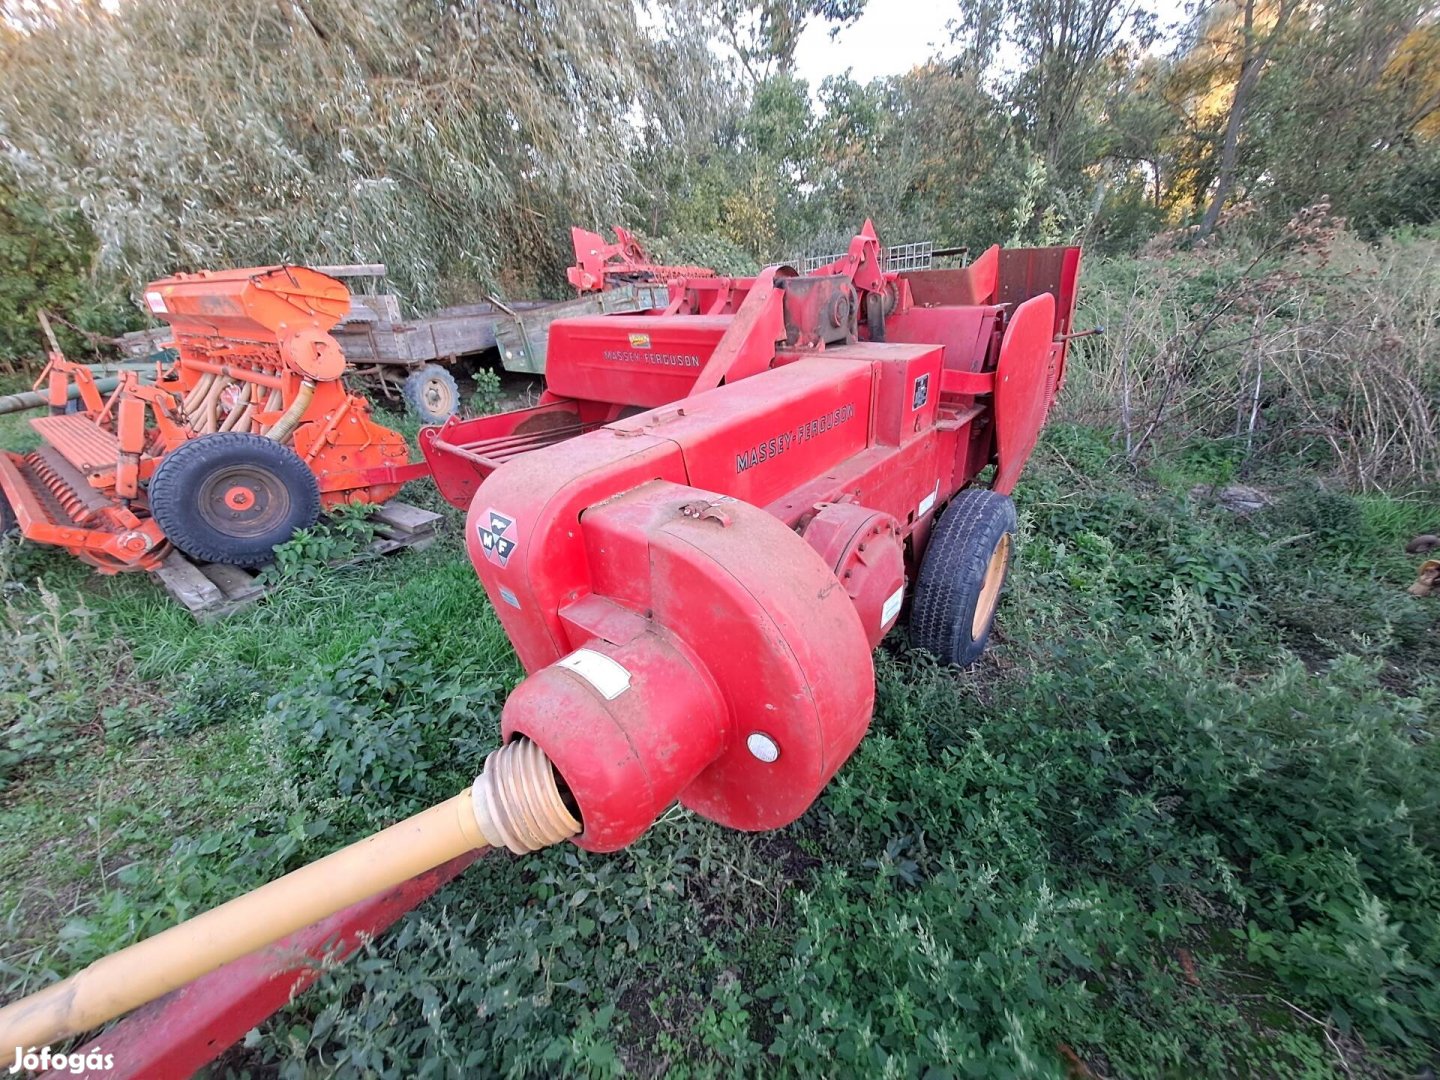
(1182, 820)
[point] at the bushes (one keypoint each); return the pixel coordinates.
(45, 260)
(720, 254)
(1314, 348)
(377, 731)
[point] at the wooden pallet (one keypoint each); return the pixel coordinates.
(212, 590)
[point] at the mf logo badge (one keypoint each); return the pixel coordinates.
(922, 391)
(497, 536)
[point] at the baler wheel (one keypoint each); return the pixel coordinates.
(961, 575)
(232, 497)
(431, 393)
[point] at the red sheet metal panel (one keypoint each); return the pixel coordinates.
(643, 360)
(181, 1033)
(1022, 396)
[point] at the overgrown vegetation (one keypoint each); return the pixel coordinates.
(45, 257)
(1310, 347)
(456, 143)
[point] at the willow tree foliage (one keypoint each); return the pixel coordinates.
(452, 140)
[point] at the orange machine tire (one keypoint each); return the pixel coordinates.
(231, 497)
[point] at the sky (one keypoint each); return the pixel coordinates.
(893, 36)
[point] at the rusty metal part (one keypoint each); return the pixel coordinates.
(600, 265)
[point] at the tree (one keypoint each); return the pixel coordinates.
(1254, 45)
(763, 34)
(453, 140)
(1062, 46)
(1295, 101)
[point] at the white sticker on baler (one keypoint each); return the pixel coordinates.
(602, 672)
(156, 302)
(892, 606)
(928, 501)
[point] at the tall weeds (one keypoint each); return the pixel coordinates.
(1316, 345)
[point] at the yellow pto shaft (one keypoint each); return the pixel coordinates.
(514, 803)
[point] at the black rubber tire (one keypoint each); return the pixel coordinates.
(431, 393)
(953, 576)
(190, 489)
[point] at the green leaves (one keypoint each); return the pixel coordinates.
(376, 728)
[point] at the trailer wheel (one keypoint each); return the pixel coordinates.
(431, 393)
(961, 575)
(232, 497)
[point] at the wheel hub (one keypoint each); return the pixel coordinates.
(243, 500)
(437, 395)
(990, 590)
(239, 497)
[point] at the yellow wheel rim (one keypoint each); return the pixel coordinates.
(990, 590)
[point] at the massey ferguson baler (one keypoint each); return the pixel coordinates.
(694, 542)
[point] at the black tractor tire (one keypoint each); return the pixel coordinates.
(431, 393)
(231, 497)
(961, 576)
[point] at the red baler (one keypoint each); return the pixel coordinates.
(696, 588)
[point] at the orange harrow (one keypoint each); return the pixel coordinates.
(240, 441)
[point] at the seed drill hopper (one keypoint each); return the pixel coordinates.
(694, 541)
(241, 440)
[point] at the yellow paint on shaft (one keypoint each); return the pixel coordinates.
(169, 960)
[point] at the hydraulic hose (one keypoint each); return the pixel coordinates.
(205, 411)
(516, 802)
(197, 393)
(286, 425)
